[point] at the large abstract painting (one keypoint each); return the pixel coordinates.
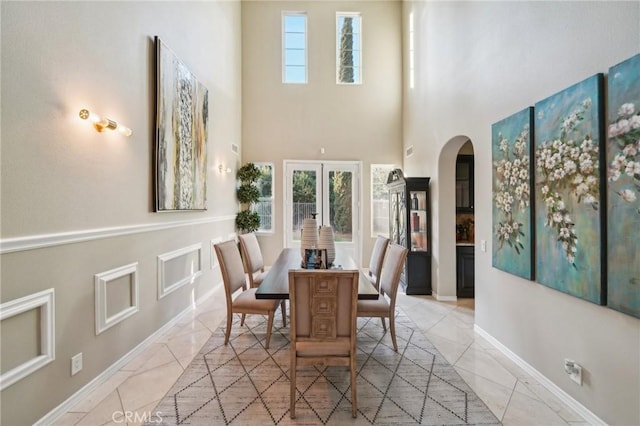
(569, 190)
(512, 178)
(181, 145)
(623, 195)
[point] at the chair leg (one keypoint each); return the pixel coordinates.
(283, 307)
(269, 326)
(228, 332)
(384, 325)
(292, 380)
(354, 398)
(242, 320)
(392, 327)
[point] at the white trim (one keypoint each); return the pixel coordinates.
(100, 281)
(45, 301)
(10, 245)
(213, 259)
(591, 418)
(163, 288)
(54, 415)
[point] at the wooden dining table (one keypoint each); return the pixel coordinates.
(276, 283)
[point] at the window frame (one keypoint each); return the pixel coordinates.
(357, 15)
(271, 230)
(373, 231)
(284, 47)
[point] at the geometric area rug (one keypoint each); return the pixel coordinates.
(242, 383)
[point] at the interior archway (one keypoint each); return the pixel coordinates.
(444, 244)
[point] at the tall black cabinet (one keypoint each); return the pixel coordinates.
(410, 226)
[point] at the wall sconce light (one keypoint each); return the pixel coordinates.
(102, 123)
(222, 169)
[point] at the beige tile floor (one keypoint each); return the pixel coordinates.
(511, 394)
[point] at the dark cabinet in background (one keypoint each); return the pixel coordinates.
(410, 226)
(464, 184)
(465, 264)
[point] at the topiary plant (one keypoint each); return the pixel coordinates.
(247, 194)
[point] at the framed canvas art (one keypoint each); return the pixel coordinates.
(511, 147)
(181, 135)
(623, 194)
(569, 191)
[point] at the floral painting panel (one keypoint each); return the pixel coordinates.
(511, 141)
(569, 210)
(181, 151)
(623, 194)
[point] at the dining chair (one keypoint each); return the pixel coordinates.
(375, 262)
(323, 323)
(254, 264)
(252, 258)
(233, 277)
(385, 305)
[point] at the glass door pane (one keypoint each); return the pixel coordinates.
(329, 189)
(304, 190)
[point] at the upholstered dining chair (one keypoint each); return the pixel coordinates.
(252, 258)
(375, 263)
(245, 302)
(254, 264)
(385, 305)
(323, 323)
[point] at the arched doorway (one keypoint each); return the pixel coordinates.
(444, 248)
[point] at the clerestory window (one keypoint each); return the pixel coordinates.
(294, 47)
(348, 48)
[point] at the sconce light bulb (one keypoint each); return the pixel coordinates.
(124, 130)
(85, 114)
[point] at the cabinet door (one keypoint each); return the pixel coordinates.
(466, 271)
(418, 220)
(464, 183)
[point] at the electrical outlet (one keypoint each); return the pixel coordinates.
(574, 370)
(76, 364)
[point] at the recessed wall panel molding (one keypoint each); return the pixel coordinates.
(213, 258)
(177, 268)
(43, 301)
(31, 242)
(110, 295)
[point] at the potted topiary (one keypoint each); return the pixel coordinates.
(247, 194)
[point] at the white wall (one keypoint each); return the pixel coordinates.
(88, 196)
(293, 121)
(477, 63)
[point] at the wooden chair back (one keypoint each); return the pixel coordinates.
(323, 322)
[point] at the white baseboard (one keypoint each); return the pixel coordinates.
(544, 381)
(54, 415)
(444, 298)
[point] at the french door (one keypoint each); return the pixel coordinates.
(332, 190)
